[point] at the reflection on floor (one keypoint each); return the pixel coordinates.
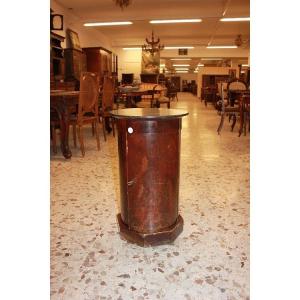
(209, 260)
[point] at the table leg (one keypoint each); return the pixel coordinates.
(64, 129)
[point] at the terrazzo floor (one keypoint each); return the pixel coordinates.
(209, 260)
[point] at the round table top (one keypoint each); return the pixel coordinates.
(148, 113)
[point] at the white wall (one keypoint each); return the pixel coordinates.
(88, 37)
(129, 62)
(212, 71)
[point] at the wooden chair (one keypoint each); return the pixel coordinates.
(107, 103)
(233, 87)
(244, 113)
(158, 98)
(171, 90)
(87, 108)
(225, 109)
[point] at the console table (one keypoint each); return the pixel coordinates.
(149, 162)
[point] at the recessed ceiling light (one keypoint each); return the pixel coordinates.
(200, 65)
(107, 23)
(221, 47)
(195, 71)
(179, 47)
(175, 21)
(235, 19)
(182, 65)
(132, 48)
(181, 59)
(182, 71)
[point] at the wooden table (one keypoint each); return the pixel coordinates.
(144, 90)
(61, 101)
(149, 160)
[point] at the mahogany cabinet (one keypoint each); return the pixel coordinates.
(98, 60)
(149, 165)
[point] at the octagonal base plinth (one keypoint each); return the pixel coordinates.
(166, 236)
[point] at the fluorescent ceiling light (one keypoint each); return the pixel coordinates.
(235, 19)
(107, 23)
(245, 65)
(200, 65)
(182, 71)
(221, 47)
(179, 47)
(183, 65)
(181, 59)
(162, 65)
(175, 21)
(195, 71)
(211, 58)
(132, 48)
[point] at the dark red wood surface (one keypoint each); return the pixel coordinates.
(149, 160)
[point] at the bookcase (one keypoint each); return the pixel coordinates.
(57, 62)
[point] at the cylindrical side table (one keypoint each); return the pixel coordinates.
(149, 161)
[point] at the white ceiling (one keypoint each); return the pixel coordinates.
(210, 31)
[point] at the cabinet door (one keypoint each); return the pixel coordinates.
(153, 174)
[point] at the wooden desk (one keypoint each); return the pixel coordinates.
(61, 101)
(149, 160)
(143, 90)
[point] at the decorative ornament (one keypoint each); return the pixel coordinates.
(153, 45)
(122, 3)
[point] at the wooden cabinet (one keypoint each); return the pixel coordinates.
(98, 60)
(149, 164)
(75, 63)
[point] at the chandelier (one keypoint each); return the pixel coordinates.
(153, 45)
(122, 3)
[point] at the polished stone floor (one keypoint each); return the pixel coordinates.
(209, 260)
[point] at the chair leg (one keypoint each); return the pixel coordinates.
(93, 129)
(96, 126)
(80, 137)
(249, 122)
(221, 123)
(245, 123)
(53, 134)
(233, 122)
(74, 136)
(113, 126)
(103, 128)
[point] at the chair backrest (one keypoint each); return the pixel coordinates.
(237, 84)
(108, 93)
(88, 94)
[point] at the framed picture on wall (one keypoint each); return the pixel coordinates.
(73, 39)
